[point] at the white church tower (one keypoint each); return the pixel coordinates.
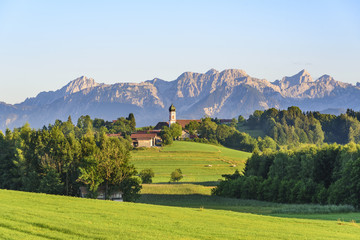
(172, 115)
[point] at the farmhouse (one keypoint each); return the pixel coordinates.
(144, 139)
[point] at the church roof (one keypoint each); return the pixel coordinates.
(172, 108)
(160, 125)
(184, 122)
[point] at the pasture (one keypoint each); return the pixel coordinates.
(183, 210)
(40, 216)
(199, 162)
(194, 191)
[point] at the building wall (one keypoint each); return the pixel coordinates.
(145, 143)
(172, 117)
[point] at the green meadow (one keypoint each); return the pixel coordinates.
(194, 190)
(184, 210)
(199, 162)
(40, 216)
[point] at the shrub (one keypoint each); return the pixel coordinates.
(176, 175)
(146, 175)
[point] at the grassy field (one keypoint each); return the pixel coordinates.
(195, 189)
(199, 162)
(183, 210)
(196, 196)
(39, 216)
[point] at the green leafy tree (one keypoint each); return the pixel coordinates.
(166, 136)
(51, 182)
(132, 122)
(192, 127)
(175, 130)
(176, 175)
(85, 124)
(207, 129)
(110, 166)
(146, 175)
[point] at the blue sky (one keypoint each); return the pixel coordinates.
(46, 44)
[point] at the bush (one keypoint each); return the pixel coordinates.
(176, 175)
(146, 175)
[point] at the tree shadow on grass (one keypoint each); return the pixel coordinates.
(207, 202)
(206, 184)
(203, 202)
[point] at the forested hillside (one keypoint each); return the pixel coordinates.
(327, 175)
(60, 158)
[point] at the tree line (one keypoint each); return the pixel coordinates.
(60, 158)
(292, 126)
(327, 174)
(281, 129)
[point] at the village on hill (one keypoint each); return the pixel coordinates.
(152, 138)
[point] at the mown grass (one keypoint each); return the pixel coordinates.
(39, 216)
(195, 196)
(195, 189)
(199, 162)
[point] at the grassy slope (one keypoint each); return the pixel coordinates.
(192, 158)
(40, 216)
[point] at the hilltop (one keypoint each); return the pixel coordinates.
(224, 94)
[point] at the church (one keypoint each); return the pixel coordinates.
(172, 120)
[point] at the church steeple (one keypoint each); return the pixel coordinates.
(172, 115)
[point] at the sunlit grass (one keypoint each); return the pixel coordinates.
(199, 162)
(39, 216)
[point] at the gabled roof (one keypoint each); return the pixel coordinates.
(160, 125)
(184, 122)
(143, 136)
(150, 131)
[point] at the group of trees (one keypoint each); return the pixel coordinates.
(292, 126)
(287, 127)
(168, 134)
(146, 175)
(340, 129)
(121, 125)
(58, 159)
(210, 130)
(329, 174)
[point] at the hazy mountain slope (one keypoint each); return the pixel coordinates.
(223, 94)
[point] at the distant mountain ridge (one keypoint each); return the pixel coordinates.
(224, 94)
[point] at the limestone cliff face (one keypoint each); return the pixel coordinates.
(224, 94)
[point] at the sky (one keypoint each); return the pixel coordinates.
(46, 44)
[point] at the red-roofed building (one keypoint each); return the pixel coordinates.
(184, 122)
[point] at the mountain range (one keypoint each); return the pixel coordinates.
(224, 94)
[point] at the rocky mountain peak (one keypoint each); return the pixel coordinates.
(79, 84)
(234, 73)
(212, 72)
(302, 77)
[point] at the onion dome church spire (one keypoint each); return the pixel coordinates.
(172, 115)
